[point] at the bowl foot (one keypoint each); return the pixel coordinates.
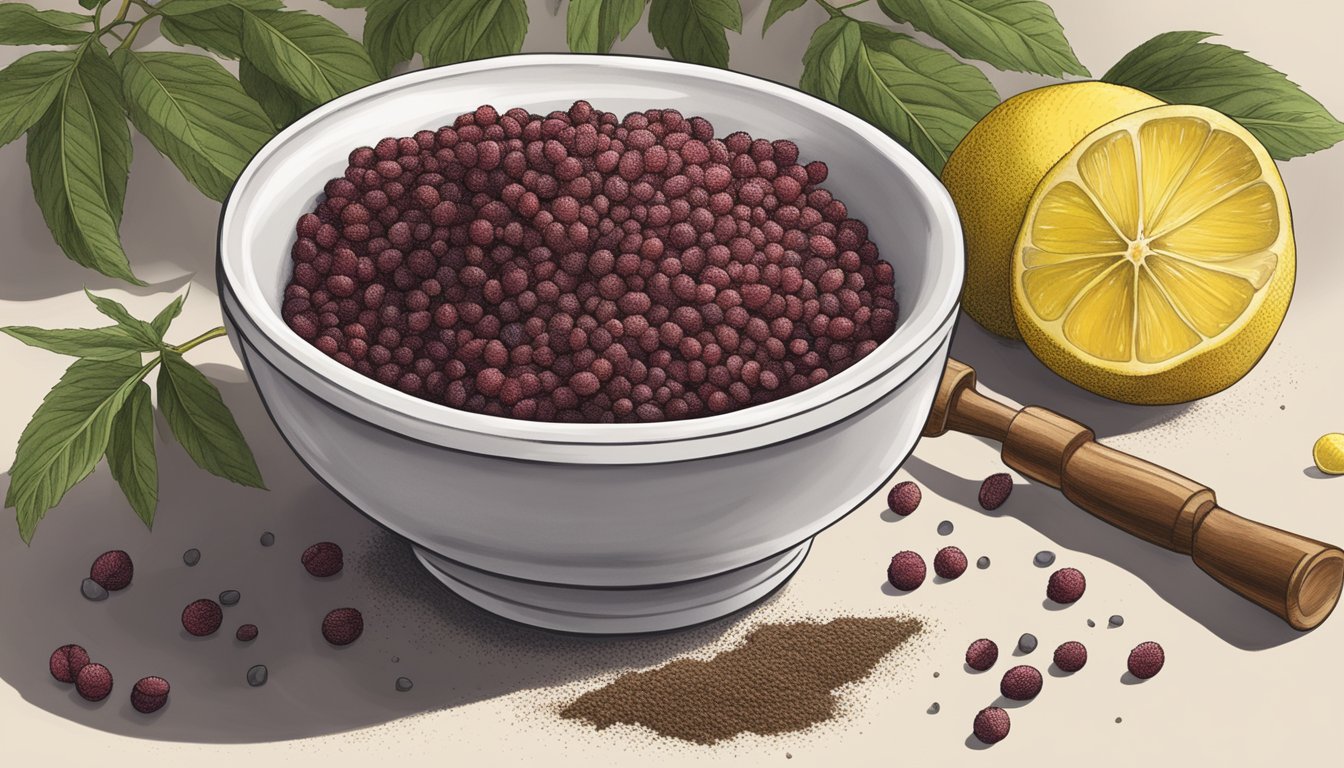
(616, 610)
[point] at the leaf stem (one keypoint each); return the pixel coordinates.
(121, 12)
(851, 5)
(213, 333)
(831, 9)
(135, 29)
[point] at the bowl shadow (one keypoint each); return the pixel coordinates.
(1171, 575)
(454, 652)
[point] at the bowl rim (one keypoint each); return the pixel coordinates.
(912, 333)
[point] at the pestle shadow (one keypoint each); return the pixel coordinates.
(1173, 576)
(454, 652)
(1007, 367)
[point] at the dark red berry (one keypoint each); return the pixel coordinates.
(907, 570)
(982, 654)
(1071, 656)
(1146, 660)
(112, 570)
(904, 498)
(343, 626)
(323, 559)
(93, 682)
(1066, 585)
(991, 725)
(949, 563)
(149, 694)
(66, 662)
(1021, 683)
(995, 490)
(202, 617)
(246, 633)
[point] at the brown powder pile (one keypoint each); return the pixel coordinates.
(779, 680)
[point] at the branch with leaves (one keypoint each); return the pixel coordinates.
(76, 106)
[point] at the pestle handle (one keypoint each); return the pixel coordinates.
(1294, 577)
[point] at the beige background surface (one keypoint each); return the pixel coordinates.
(1239, 688)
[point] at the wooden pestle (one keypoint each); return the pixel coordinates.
(1296, 578)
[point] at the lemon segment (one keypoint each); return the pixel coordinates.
(1155, 260)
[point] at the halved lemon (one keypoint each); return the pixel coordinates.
(1156, 260)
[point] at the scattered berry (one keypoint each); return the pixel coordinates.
(343, 626)
(1146, 660)
(904, 498)
(945, 528)
(934, 708)
(267, 539)
(112, 570)
(995, 490)
(1066, 585)
(907, 571)
(149, 694)
(1026, 643)
(1021, 683)
(1071, 656)
(982, 563)
(257, 675)
(949, 563)
(92, 590)
(1044, 559)
(1116, 620)
(982, 654)
(246, 633)
(230, 597)
(404, 684)
(191, 557)
(323, 559)
(202, 617)
(991, 725)
(66, 662)
(94, 682)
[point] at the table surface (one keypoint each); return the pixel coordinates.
(1239, 687)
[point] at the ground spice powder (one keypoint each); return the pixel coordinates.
(779, 680)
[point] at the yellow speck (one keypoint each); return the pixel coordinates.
(1328, 453)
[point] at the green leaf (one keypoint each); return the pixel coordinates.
(91, 3)
(349, 3)
(168, 314)
(777, 10)
(282, 105)
(473, 29)
(28, 87)
(67, 435)
(135, 327)
(214, 25)
(1018, 35)
(924, 98)
(592, 26)
(22, 24)
(694, 30)
(1180, 68)
(194, 112)
(829, 55)
(108, 343)
(79, 154)
(201, 422)
(130, 454)
(307, 53)
(390, 29)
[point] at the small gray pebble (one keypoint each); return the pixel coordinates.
(1091, 623)
(257, 675)
(396, 659)
(935, 674)
(1044, 558)
(267, 539)
(1118, 719)
(92, 590)
(1116, 620)
(982, 563)
(1026, 643)
(933, 708)
(945, 528)
(230, 597)
(191, 557)
(404, 684)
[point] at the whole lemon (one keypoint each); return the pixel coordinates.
(993, 172)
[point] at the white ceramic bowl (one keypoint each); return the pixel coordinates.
(599, 528)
